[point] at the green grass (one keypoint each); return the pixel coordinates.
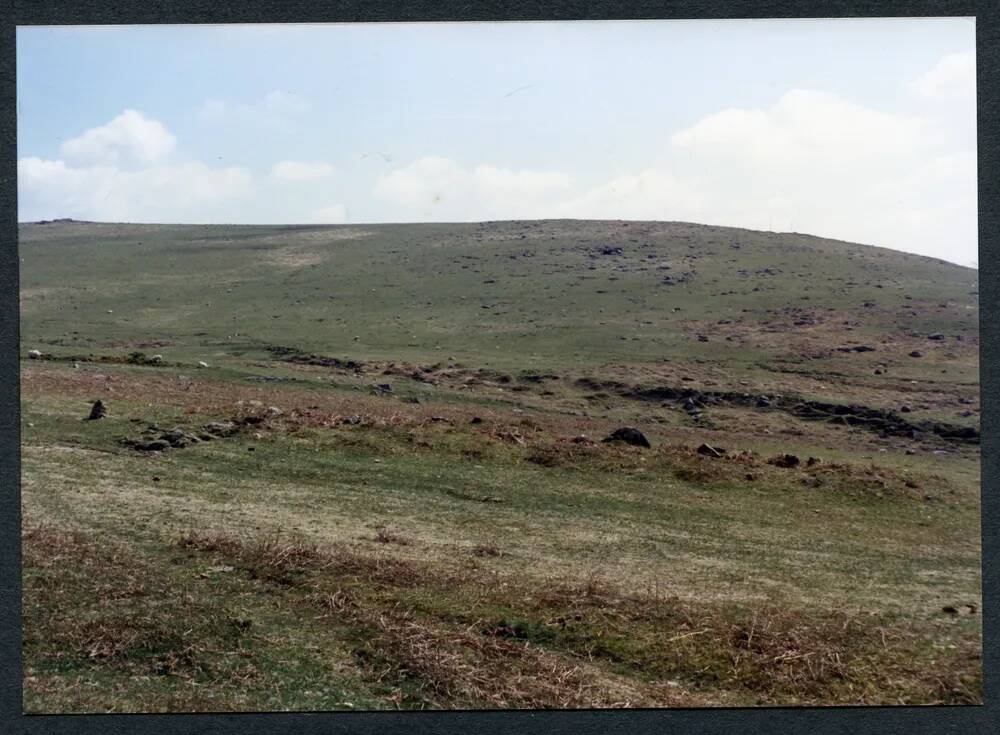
(395, 554)
(417, 292)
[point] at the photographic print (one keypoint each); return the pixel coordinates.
(499, 365)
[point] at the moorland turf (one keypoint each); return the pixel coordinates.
(412, 506)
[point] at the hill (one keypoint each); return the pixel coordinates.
(551, 291)
(413, 414)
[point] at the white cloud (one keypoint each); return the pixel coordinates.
(301, 170)
(129, 138)
(185, 192)
(118, 172)
(954, 76)
(438, 188)
(333, 214)
(812, 162)
(805, 124)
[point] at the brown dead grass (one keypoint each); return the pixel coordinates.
(454, 650)
(456, 666)
(286, 560)
(458, 635)
(442, 665)
(102, 605)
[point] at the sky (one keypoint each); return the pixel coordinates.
(856, 129)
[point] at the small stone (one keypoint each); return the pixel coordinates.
(97, 411)
(220, 428)
(784, 460)
(629, 435)
(709, 451)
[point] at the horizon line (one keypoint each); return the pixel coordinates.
(72, 220)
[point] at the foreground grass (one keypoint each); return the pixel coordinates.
(217, 622)
(353, 553)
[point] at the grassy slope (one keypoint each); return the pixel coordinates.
(845, 567)
(515, 294)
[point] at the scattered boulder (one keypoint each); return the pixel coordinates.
(176, 438)
(97, 411)
(629, 435)
(965, 432)
(202, 364)
(916, 353)
(784, 460)
(221, 428)
(710, 451)
(476, 420)
(937, 336)
(34, 354)
(611, 250)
